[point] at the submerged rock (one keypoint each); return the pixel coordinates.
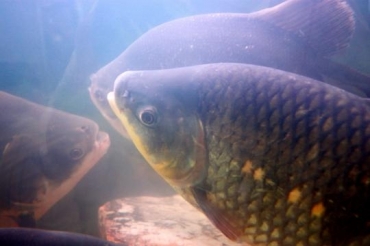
(158, 221)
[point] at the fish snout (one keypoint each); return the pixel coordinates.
(122, 96)
(85, 129)
(99, 97)
(89, 128)
(115, 123)
(93, 133)
(103, 140)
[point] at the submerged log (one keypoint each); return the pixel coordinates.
(164, 221)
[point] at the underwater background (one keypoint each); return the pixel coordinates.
(49, 49)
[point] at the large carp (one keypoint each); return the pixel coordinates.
(294, 36)
(270, 157)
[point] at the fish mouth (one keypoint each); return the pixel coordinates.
(102, 141)
(101, 136)
(99, 98)
(105, 109)
(98, 137)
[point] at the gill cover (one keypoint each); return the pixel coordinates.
(167, 134)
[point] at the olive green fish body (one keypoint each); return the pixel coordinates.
(295, 153)
(276, 158)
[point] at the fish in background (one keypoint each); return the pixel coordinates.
(294, 36)
(270, 157)
(25, 236)
(45, 153)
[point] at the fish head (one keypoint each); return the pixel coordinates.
(35, 164)
(98, 93)
(168, 134)
(67, 140)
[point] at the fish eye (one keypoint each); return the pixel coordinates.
(148, 116)
(76, 153)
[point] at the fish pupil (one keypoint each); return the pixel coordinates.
(76, 153)
(148, 117)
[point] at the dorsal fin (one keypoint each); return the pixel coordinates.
(326, 25)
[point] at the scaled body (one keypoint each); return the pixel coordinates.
(295, 36)
(270, 157)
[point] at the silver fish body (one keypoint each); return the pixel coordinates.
(296, 36)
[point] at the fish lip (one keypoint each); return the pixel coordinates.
(116, 124)
(96, 136)
(102, 106)
(107, 113)
(101, 136)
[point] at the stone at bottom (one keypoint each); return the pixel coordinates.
(162, 221)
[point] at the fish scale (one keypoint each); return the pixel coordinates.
(260, 112)
(286, 156)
